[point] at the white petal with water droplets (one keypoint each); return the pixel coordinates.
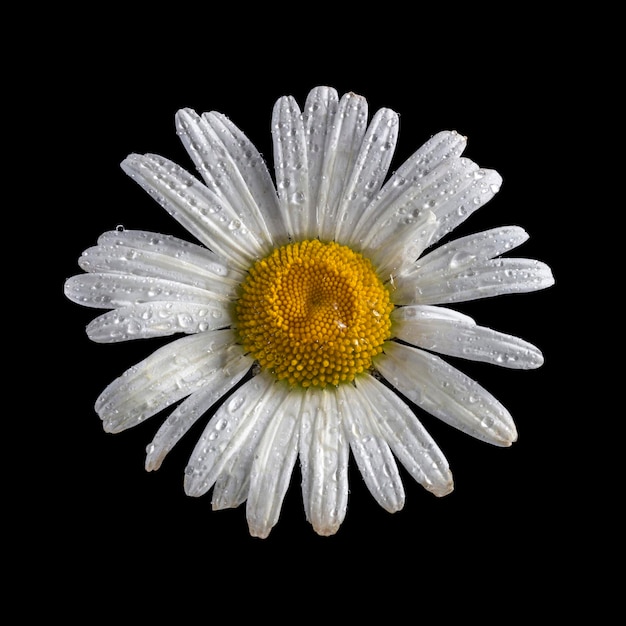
(168, 258)
(201, 211)
(370, 449)
(400, 223)
(462, 253)
(214, 387)
(233, 483)
(408, 439)
(454, 334)
(340, 151)
(253, 170)
(391, 253)
(404, 192)
(158, 319)
(462, 200)
(109, 291)
(495, 277)
(272, 467)
(171, 373)
(166, 245)
(319, 121)
(217, 157)
(439, 151)
(324, 453)
(366, 178)
(447, 393)
(245, 413)
(292, 170)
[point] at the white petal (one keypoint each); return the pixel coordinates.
(272, 467)
(408, 241)
(463, 199)
(254, 171)
(448, 332)
(233, 483)
(367, 176)
(371, 451)
(171, 373)
(217, 157)
(109, 291)
(324, 453)
(403, 194)
(292, 170)
(319, 117)
(202, 212)
(441, 149)
(244, 414)
(393, 215)
(462, 253)
(406, 436)
(340, 151)
(141, 253)
(447, 393)
(158, 319)
(214, 387)
(481, 280)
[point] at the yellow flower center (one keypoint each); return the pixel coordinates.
(314, 313)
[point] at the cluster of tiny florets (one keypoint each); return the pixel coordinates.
(314, 313)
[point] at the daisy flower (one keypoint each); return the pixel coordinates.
(308, 304)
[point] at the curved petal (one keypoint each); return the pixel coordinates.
(234, 425)
(403, 194)
(408, 242)
(454, 334)
(215, 386)
(272, 467)
(171, 373)
(482, 280)
(479, 187)
(447, 393)
(152, 255)
(110, 291)
(370, 449)
(397, 218)
(254, 171)
(218, 156)
(201, 211)
(366, 178)
(340, 150)
(324, 453)
(158, 319)
(462, 253)
(406, 436)
(233, 484)
(292, 169)
(319, 116)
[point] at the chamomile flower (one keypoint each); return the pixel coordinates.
(307, 302)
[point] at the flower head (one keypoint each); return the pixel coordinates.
(306, 305)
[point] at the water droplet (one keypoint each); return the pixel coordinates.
(298, 197)
(184, 320)
(236, 403)
(221, 424)
(461, 258)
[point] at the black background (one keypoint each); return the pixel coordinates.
(511, 527)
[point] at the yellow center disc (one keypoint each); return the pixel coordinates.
(314, 313)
